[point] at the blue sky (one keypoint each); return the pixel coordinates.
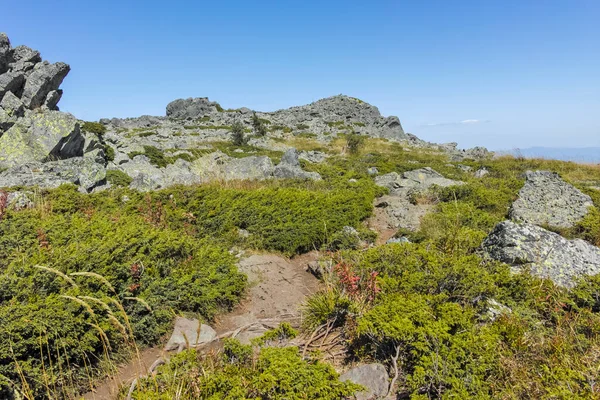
(502, 74)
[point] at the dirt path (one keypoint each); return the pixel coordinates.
(277, 287)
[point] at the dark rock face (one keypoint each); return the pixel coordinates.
(547, 254)
(34, 81)
(545, 199)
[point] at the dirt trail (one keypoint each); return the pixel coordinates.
(277, 287)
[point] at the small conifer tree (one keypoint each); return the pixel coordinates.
(237, 134)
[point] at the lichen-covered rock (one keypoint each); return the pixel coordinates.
(44, 79)
(546, 199)
(313, 156)
(421, 178)
(80, 171)
(373, 377)
(49, 135)
(251, 168)
(545, 253)
(11, 109)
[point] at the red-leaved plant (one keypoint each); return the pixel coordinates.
(357, 287)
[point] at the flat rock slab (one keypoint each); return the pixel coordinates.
(189, 332)
(547, 254)
(546, 199)
(372, 376)
(420, 179)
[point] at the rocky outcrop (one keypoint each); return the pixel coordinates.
(25, 75)
(373, 377)
(191, 108)
(546, 199)
(49, 135)
(545, 253)
(396, 210)
(81, 171)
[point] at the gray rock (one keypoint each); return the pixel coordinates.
(397, 240)
(464, 168)
(373, 377)
(189, 333)
(12, 105)
(251, 168)
(290, 168)
(422, 178)
(80, 171)
(545, 199)
(481, 172)
(19, 200)
(495, 310)
(11, 82)
(42, 136)
(372, 171)
(546, 254)
(191, 108)
(44, 79)
(24, 59)
(52, 99)
(312, 156)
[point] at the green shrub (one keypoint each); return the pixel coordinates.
(258, 125)
(118, 178)
(109, 153)
(354, 143)
(237, 134)
(94, 127)
(274, 373)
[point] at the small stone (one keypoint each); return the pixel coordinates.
(372, 171)
(373, 377)
(189, 333)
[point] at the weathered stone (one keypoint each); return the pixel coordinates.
(481, 172)
(11, 109)
(495, 310)
(420, 179)
(191, 108)
(545, 199)
(43, 136)
(79, 171)
(11, 82)
(545, 253)
(44, 79)
(189, 333)
(23, 59)
(52, 99)
(373, 377)
(290, 168)
(252, 168)
(397, 240)
(373, 171)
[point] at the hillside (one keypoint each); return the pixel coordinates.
(316, 252)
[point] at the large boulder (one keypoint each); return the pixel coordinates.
(191, 108)
(419, 179)
(80, 171)
(290, 168)
(546, 199)
(251, 168)
(545, 253)
(373, 377)
(24, 59)
(44, 79)
(49, 135)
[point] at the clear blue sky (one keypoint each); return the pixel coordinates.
(503, 74)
